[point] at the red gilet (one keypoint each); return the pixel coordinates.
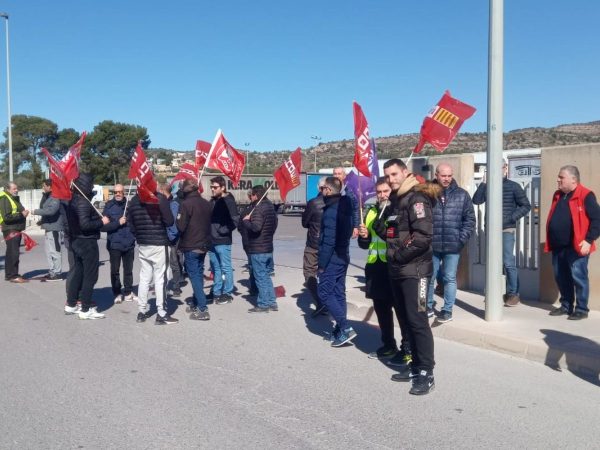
(581, 222)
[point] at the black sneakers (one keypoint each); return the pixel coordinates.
(405, 373)
(444, 316)
(141, 317)
(167, 320)
(560, 311)
(422, 384)
(401, 359)
(384, 352)
(258, 309)
(274, 307)
(223, 299)
(199, 315)
(578, 315)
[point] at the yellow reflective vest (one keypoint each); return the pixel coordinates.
(12, 204)
(377, 246)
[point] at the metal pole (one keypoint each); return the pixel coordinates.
(247, 144)
(317, 140)
(10, 153)
(494, 278)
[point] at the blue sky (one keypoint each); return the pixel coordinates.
(274, 73)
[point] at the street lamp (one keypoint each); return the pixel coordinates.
(247, 144)
(318, 141)
(10, 155)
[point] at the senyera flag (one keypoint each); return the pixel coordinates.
(363, 153)
(61, 184)
(187, 171)
(140, 170)
(288, 174)
(443, 122)
(226, 158)
(202, 150)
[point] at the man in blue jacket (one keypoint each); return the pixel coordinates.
(515, 205)
(334, 257)
(453, 224)
(120, 243)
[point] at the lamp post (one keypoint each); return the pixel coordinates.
(318, 141)
(247, 144)
(10, 155)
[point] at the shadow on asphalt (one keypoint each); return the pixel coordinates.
(555, 341)
(470, 308)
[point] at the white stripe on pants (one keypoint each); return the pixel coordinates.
(153, 267)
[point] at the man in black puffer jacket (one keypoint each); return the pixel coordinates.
(407, 227)
(85, 224)
(515, 205)
(148, 223)
(260, 225)
(453, 224)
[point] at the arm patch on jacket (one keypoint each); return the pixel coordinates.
(419, 210)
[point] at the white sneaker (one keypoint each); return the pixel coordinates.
(130, 298)
(91, 314)
(70, 310)
(118, 299)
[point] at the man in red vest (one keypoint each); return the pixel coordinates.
(572, 227)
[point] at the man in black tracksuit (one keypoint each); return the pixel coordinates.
(407, 227)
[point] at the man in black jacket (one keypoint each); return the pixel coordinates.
(148, 223)
(407, 227)
(224, 219)
(515, 205)
(85, 224)
(13, 216)
(260, 225)
(311, 219)
(193, 222)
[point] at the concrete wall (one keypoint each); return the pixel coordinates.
(584, 156)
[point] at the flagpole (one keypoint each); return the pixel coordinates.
(127, 198)
(360, 205)
(383, 209)
(409, 158)
(89, 201)
(263, 196)
(212, 147)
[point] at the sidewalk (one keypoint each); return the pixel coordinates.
(525, 331)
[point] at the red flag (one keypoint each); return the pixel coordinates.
(140, 170)
(202, 150)
(363, 153)
(227, 159)
(70, 162)
(61, 185)
(186, 172)
(28, 241)
(443, 122)
(288, 174)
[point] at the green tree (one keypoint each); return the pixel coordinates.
(108, 150)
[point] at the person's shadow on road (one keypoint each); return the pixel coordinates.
(556, 350)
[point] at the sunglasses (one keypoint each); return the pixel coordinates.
(215, 187)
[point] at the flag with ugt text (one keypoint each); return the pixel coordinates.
(288, 174)
(443, 122)
(140, 170)
(364, 188)
(202, 150)
(61, 184)
(226, 158)
(70, 162)
(187, 171)
(363, 153)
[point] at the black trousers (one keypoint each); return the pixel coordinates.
(384, 310)
(116, 257)
(11, 257)
(410, 295)
(309, 268)
(84, 273)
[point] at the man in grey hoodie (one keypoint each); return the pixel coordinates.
(53, 223)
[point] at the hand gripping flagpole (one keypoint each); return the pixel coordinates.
(212, 147)
(127, 198)
(263, 196)
(89, 201)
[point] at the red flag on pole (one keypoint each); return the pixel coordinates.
(202, 150)
(226, 158)
(186, 171)
(70, 162)
(140, 170)
(288, 174)
(61, 184)
(363, 153)
(443, 122)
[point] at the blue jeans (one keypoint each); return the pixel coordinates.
(571, 275)
(220, 261)
(510, 264)
(194, 265)
(260, 271)
(449, 265)
(332, 290)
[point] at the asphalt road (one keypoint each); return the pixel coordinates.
(266, 381)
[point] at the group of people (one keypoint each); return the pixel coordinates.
(414, 234)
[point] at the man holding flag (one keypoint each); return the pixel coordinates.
(12, 218)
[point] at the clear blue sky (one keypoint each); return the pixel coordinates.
(273, 73)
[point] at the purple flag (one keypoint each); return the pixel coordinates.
(367, 184)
